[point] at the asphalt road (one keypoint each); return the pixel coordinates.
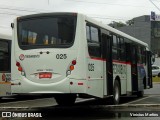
(141, 108)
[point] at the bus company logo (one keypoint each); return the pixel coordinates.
(21, 57)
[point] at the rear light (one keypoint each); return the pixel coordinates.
(74, 62)
(71, 67)
(17, 64)
(20, 68)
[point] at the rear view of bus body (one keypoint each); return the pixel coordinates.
(65, 54)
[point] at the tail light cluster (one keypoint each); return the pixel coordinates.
(20, 68)
(71, 67)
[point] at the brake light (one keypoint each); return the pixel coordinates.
(17, 64)
(74, 62)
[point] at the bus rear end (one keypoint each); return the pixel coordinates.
(44, 53)
(5, 65)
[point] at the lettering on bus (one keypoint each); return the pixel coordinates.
(32, 56)
(91, 67)
(22, 57)
(119, 69)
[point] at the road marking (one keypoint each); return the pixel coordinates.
(84, 100)
(31, 101)
(137, 100)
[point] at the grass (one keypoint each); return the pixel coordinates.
(156, 79)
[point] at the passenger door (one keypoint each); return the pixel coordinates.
(134, 70)
(149, 69)
(108, 66)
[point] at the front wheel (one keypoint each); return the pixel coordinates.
(65, 99)
(116, 93)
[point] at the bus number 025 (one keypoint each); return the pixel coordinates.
(91, 67)
(61, 56)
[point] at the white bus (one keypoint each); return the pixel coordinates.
(68, 55)
(5, 65)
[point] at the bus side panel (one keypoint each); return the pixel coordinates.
(14, 72)
(95, 75)
(120, 71)
(78, 76)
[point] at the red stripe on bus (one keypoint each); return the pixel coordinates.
(116, 61)
(122, 62)
(98, 59)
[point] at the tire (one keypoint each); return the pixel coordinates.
(140, 93)
(116, 93)
(65, 100)
(158, 74)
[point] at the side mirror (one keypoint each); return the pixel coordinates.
(12, 25)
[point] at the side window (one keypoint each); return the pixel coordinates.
(94, 46)
(122, 50)
(4, 56)
(114, 48)
(141, 55)
(87, 33)
(153, 68)
(114, 41)
(94, 34)
(119, 48)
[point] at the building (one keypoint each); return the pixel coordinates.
(144, 29)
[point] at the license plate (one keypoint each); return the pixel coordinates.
(45, 75)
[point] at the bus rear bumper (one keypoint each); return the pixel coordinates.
(64, 86)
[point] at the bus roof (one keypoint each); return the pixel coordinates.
(5, 36)
(118, 32)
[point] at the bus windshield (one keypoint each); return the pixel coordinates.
(51, 32)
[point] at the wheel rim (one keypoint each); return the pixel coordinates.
(116, 94)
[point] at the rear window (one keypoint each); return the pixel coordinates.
(5, 55)
(41, 32)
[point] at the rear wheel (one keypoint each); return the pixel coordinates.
(116, 92)
(65, 99)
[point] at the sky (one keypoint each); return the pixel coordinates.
(105, 11)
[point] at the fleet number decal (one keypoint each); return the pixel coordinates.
(61, 56)
(91, 67)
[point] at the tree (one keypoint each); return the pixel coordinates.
(130, 22)
(117, 24)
